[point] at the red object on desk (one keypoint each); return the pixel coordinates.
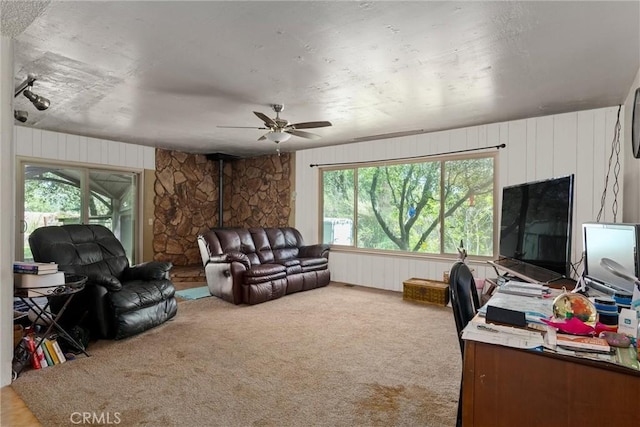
(576, 326)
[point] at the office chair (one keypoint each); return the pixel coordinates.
(465, 304)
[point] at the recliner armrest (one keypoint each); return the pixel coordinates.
(235, 256)
(153, 270)
(229, 257)
(314, 251)
(111, 283)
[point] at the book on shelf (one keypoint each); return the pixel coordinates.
(47, 355)
(36, 268)
(584, 343)
(38, 281)
(58, 351)
(52, 351)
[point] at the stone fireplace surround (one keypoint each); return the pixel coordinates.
(256, 193)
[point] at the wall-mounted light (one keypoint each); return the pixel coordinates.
(40, 102)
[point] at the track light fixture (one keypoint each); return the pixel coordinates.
(20, 115)
(40, 102)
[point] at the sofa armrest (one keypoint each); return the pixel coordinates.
(235, 256)
(314, 251)
(229, 257)
(153, 270)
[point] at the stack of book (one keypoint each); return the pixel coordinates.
(34, 279)
(48, 353)
(583, 343)
(36, 268)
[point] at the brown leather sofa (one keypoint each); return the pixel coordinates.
(254, 265)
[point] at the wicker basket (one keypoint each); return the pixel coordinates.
(425, 291)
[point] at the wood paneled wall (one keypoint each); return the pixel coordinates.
(61, 147)
(44, 144)
(536, 148)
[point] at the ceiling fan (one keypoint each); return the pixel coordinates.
(280, 130)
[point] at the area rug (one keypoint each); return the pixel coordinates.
(334, 356)
(194, 293)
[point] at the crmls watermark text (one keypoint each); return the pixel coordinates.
(95, 418)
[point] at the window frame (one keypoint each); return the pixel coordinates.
(86, 169)
(418, 159)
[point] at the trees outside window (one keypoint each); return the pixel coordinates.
(424, 206)
(61, 194)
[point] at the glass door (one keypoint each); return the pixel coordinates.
(51, 196)
(57, 195)
(112, 203)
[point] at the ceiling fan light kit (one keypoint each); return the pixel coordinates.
(280, 130)
(278, 136)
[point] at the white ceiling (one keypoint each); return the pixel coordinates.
(167, 74)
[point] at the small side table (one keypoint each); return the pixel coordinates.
(73, 284)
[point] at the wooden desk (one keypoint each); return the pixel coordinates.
(505, 386)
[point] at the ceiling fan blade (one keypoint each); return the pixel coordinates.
(303, 134)
(309, 125)
(268, 121)
(263, 137)
(242, 127)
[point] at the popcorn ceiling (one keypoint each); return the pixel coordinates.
(16, 16)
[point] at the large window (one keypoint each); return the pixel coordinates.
(60, 194)
(425, 206)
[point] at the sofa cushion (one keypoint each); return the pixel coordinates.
(309, 262)
(237, 240)
(290, 262)
(313, 264)
(284, 242)
(262, 246)
(264, 272)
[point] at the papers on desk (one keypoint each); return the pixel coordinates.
(523, 288)
(533, 308)
(545, 339)
(503, 335)
(626, 357)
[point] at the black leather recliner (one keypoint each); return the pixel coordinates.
(118, 300)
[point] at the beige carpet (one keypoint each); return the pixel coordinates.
(335, 356)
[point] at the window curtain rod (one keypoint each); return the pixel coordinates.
(409, 158)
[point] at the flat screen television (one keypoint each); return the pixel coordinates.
(616, 241)
(536, 223)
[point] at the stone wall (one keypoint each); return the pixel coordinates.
(257, 192)
(261, 192)
(186, 203)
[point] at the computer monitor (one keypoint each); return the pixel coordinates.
(616, 241)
